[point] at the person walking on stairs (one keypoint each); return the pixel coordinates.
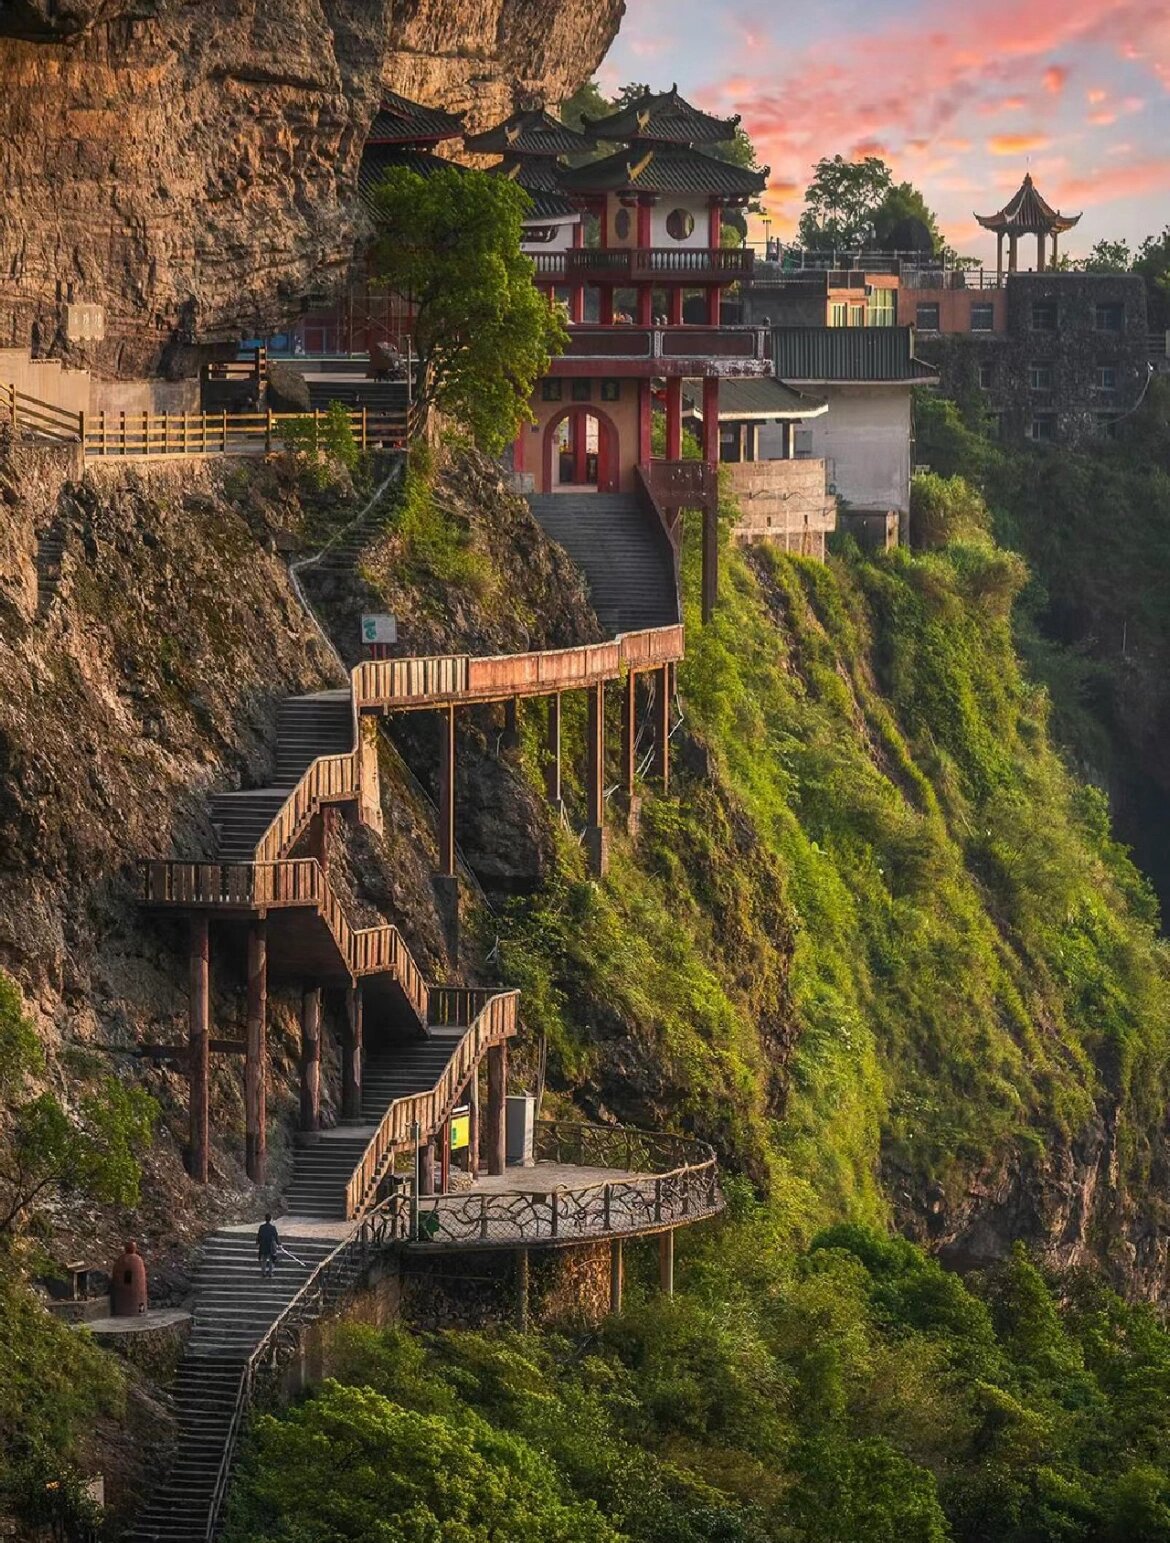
(267, 1243)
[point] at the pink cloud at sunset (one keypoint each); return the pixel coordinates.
(969, 96)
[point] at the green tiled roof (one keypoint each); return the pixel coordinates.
(764, 398)
(377, 160)
(862, 354)
(403, 122)
(528, 133)
(664, 171)
(540, 179)
(664, 117)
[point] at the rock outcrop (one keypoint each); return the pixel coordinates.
(192, 168)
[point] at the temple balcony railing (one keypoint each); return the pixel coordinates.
(638, 265)
(622, 349)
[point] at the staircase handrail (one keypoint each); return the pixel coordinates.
(492, 1022)
(371, 1230)
(18, 408)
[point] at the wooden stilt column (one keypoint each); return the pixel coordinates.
(512, 723)
(662, 726)
(711, 510)
(445, 1158)
(666, 1263)
(447, 792)
(674, 418)
(629, 732)
(256, 1058)
(522, 1290)
(616, 1275)
(353, 1055)
(426, 1169)
(311, 1059)
(552, 769)
(473, 1125)
(595, 781)
(497, 1064)
(199, 1046)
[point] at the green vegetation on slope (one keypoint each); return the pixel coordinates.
(853, 1392)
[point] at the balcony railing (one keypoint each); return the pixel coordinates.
(616, 265)
(672, 350)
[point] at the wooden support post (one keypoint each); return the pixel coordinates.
(662, 726)
(199, 1047)
(497, 1063)
(311, 1059)
(674, 418)
(710, 558)
(552, 769)
(666, 1262)
(629, 732)
(426, 1168)
(616, 1274)
(595, 781)
(447, 792)
(351, 1065)
(473, 1125)
(512, 722)
(445, 1158)
(522, 1290)
(256, 1062)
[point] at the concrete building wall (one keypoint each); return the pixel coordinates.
(954, 308)
(623, 414)
(864, 440)
(783, 502)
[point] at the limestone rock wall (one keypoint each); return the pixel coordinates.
(191, 167)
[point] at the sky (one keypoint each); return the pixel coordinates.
(960, 97)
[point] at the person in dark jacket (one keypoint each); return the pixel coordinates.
(267, 1243)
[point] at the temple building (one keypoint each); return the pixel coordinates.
(405, 133)
(531, 143)
(1027, 214)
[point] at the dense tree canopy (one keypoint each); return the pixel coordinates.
(450, 245)
(851, 204)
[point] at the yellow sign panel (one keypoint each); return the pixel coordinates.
(460, 1131)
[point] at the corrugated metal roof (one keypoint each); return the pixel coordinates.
(863, 354)
(766, 398)
(664, 171)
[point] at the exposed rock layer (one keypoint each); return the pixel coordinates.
(192, 168)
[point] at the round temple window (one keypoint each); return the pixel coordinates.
(621, 224)
(680, 223)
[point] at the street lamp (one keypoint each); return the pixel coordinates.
(767, 219)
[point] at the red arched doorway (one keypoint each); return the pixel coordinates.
(581, 451)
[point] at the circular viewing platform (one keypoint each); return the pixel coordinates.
(587, 1183)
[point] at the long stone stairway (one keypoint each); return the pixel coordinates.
(326, 1160)
(234, 1308)
(625, 561)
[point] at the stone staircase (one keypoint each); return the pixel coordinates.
(234, 1308)
(50, 553)
(377, 396)
(325, 1160)
(307, 727)
(625, 560)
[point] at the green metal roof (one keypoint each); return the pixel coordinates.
(862, 354)
(663, 171)
(740, 400)
(661, 116)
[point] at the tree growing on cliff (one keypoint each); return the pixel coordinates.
(450, 245)
(850, 204)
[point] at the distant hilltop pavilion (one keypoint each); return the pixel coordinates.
(1027, 214)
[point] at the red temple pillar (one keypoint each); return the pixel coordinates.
(645, 422)
(711, 508)
(675, 312)
(605, 304)
(645, 305)
(577, 430)
(674, 418)
(711, 418)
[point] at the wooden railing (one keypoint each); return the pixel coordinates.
(633, 264)
(330, 779)
(144, 434)
(255, 368)
(21, 411)
(749, 347)
(665, 1181)
(492, 1019)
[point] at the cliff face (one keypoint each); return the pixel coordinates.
(191, 168)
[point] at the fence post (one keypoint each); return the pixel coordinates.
(483, 1216)
(555, 1208)
(12, 403)
(145, 432)
(268, 433)
(606, 1207)
(105, 439)
(657, 1200)
(365, 427)
(81, 432)
(224, 447)
(123, 433)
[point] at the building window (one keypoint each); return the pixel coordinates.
(881, 308)
(680, 223)
(986, 377)
(550, 390)
(611, 390)
(582, 390)
(1043, 428)
(1105, 425)
(1109, 318)
(993, 424)
(1106, 377)
(1044, 316)
(1040, 377)
(838, 314)
(926, 318)
(622, 223)
(982, 316)
(857, 316)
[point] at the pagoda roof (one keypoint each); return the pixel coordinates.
(665, 170)
(1027, 214)
(540, 179)
(377, 160)
(531, 132)
(662, 117)
(403, 122)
